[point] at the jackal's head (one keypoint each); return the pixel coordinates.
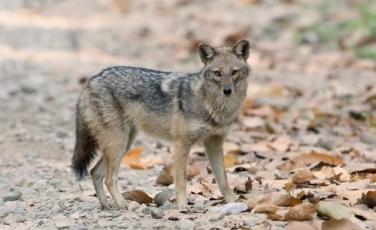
(226, 68)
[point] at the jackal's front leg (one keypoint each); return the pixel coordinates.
(181, 151)
(214, 152)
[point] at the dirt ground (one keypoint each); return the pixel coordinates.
(304, 98)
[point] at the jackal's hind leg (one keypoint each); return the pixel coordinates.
(97, 174)
(112, 156)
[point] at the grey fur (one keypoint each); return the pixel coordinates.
(180, 107)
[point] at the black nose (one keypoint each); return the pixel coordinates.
(227, 91)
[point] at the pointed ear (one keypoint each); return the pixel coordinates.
(241, 49)
(206, 53)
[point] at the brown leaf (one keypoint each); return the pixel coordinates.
(229, 160)
(339, 225)
(133, 158)
(301, 212)
(295, 225)
(165, 177)
(368, 199)
(138, 196)
(267, 209)
(262, 204)
(303, 176)
(275, 217)
(230, 148)
(241, 184)
(281, 144)
(310, 158)
(253, 122)
(364, 212)
(286, 200)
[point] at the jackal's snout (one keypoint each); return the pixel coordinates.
(227, 91)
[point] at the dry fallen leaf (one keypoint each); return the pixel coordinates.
(369, 199)
(364, 212)
(310, 158)
(295, 225)
(138, 196)
(281, 144)
(343, 224)
(230, 148)
(285, 200)
(253, 122)
(229, 160)
(240, 183)
(133, 158)
(303, 176)
(301, 212)
(165, 177)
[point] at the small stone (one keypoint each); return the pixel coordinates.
(12, 196)
(185, 224)
(133, 205)
(61, 134)
(164, 196)
(56, 209)
(75, 215)
(19, 218)
(145, 210)
(169, 205)
(157, 213)
(61, 223)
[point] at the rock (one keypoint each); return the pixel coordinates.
(12, 196)
(230, 208)
(61, 134)
(164, 196)
(133, 205)
(157, 213)
(56, 209)
(169, 205)
(19, 218)
(61, 222)
(145, 210)
(185, 224)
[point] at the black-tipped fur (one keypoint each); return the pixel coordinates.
(85, 148)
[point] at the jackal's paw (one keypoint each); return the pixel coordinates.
(230, 196)
(105, 206)
(181, 202)
(122, 204)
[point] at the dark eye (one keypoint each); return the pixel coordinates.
(234, 72)
(217, 73)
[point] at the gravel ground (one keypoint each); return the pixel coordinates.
(48, 47)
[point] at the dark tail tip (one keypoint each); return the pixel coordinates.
(84, 150)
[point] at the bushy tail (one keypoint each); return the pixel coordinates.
(85, 148)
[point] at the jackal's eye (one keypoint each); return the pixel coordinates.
(234, 72)
(217, 73)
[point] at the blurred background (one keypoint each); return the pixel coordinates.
(313, 86)
(48, 48)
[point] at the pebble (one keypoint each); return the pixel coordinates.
(145, 210)
(164, 196)
(61, 134)
(133, 205)
(19, 218)
(12, 196)
(61, 222)
(230, 208)
(157, 213)
(185, 224)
